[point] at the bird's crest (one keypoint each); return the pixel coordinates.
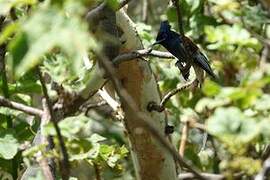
(164, 27)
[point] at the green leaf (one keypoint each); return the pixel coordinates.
(5, 175)
(6, 5)
(263, 103)
(8, 31)
(74, 127)
(114, 4)
(8, 144)
(52, 30)
(224, 37)
(231, 126)
(113, 160)
(95, 138)
(210, 88)
(206, 104)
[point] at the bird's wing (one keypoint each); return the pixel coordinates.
(189, 45)
(202, 61)
(176, 47)
(199, 58)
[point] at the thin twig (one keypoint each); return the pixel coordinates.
(196, 125)
(47, 164)
(112, 103)
(4, 86)
(141, 53)
(216, 159)
(265, 171)
(20, 107)
(184, 138)
(43, 163)
(182, 33)
(264, 56)
(123, 3)
(96, 105)
(97, 171)
(88, 107)
(153, 106)
(142, 117)
(5, 89)
(64, 163)
(266, 153)
(179, 16)
(208, 176)
(145, 10)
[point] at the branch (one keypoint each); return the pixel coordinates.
(145, 5)
(141, 53)
(184, 138)
(3, 75)
(264, 56)
(43, 163)
(95, 105)
(205, 175)
(198, 126)
(20, 107)
(266, 153)
(122, 4)
(64, 163)
(179, 16)
(112, 103)
(142, 117)
(153, 106)
(264, 171)
(97, 171)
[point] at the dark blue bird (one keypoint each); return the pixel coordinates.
(185, 51)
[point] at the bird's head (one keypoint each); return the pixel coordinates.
(163, 32)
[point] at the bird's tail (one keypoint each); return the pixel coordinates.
(202, 61)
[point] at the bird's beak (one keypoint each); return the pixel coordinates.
(157, 42)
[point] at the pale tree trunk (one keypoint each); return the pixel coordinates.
(151, 160)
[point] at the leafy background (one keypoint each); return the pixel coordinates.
(53, 34)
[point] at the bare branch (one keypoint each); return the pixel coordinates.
(266, 153)
(123, 3)
(197, 126)
(208, 176)
(64, 163)
(96, 105)
(97, 171)
(142, 117)
(179, 16)
(141, 53)
(43, 163)
(20, 107)
(152, 106)
(112, 103)
(264, 56)
(145, 5)
(184, 138)
(265, 171)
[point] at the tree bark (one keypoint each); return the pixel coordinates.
(151, 160)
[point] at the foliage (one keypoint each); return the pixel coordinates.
(54, 36)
